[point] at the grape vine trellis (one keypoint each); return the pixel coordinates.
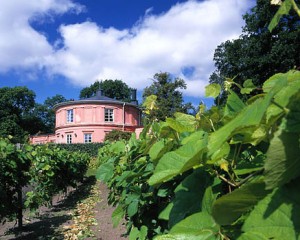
(229, 173)
(47, 170)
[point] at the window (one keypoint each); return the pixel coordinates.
(70, 115)
(109, 115)
(87, 137)
(69, 138)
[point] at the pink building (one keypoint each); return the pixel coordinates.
(89, 120)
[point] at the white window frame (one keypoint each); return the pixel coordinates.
(69, 138)
(70, 115)
(87, 137)
(108, 115)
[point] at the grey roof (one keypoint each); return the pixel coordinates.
(97, 99)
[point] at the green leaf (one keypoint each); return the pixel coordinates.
(287, 97)
(117, 147)
(136, 234)
(249, 116)
(182, 123)
(165, 214)
(212, 90)
(132, 208)
(253, 235)
(143, 232)
(150, 104)
(200, 226)
(233, 105)
(179, 161)
(283, 159)
(248, 87)
(231, 206)
(277, 215)
(205, 235)
(283, 10)
(156, 149)
(159, 149)
(105, 171)
(188, 196)
(195, 224)
(117, 215)
(210, 195)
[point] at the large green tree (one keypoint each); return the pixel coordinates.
(44, 114)
(258, 53)
(21, 116)
(169, 97)
(115, 89)
(16, 103)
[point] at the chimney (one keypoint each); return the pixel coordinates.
(99, 93)
(133, 94)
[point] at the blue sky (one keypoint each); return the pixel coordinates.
(60, 46)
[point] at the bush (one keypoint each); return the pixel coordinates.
(116, 135)
(89, 148)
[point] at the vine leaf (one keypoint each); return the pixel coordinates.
(230, 207)
(283, 10)
(182, 122)
(212, 90)
(249, 116)
(283, 159)
(117, 215)
(180, 160)
(188, 196)
(233, 105)
(105, 171)
(277, 215)
(200, 226)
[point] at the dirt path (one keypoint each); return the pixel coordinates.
(50, 222)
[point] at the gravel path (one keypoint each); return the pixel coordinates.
(50, 221)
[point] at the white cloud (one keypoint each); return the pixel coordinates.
(183, 38)
(20, 45)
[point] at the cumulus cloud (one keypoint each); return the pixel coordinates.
(20, 45)
(180, 41)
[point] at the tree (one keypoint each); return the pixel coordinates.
(16, 103)
(169, 99)
(115, 89)
(258, 53)
(44, 115)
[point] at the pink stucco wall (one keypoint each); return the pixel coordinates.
(89, 119)
(42, 139)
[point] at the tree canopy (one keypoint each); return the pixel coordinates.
(20, 115)
(115, 89)
(45, 114)
(258, 53)
(16, 103)
(168, 96)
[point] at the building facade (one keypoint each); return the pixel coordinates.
(89, 120)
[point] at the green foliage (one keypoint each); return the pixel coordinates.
(258, 53)
(46, 170)
(89, 148)
(116, 135)
(227, 173)
(16, 103)
(14, 167)
(115, 89)
(168, 98)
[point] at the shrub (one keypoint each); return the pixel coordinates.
(116, 135)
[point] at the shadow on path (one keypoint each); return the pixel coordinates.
(49, 224)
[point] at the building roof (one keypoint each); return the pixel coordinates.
(99, 98)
